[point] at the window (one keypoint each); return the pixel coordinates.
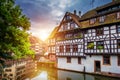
(65, 26)
(68, 17)
(5, 75)
(72, 25)
(118, 60)
(78, 35)
(68, 59)
(102, 19)
(11, 74)
(90, 45)
(8, 70)
(106, 60)
(118, 15)
(118, 43)
(61, 49)
(79, 60)
(67, 48)
(85, 31)
(99, 31)
(75, 48)
(68, 36)
(100, 45)
(118, 28)
(92, 21)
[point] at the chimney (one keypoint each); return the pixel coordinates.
(75, 12)
(79, 14)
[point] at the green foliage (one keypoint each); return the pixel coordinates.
(100, 47)
(90, 45)
(13, 26)
(79, 35)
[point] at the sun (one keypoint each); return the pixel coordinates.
(43, 36)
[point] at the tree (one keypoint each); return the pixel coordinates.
(13, 31)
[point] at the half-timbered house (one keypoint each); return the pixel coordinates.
(51, 45)
(91, 42)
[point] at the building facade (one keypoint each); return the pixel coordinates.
(18, 69)
(51, 46)
(91, 42)
(37, 46)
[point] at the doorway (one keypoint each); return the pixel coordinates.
(97, 66)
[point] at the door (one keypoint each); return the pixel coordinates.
(97, 66)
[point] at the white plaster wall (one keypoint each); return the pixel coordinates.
(62, 63)
(114, 68)
(89, 64)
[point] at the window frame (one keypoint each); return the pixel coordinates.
(108, 60)
(68, 59)
(75, 47)
(99, 44)
(118, 42)
(88, 43)
(79, 60)
(102, 19)
(99, 31)
(118, 28)
(67, 48)
(61, 48)
(92, 21)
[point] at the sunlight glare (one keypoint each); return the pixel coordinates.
(43, 36)
(43, 76)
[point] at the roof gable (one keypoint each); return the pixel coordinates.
(68, 21)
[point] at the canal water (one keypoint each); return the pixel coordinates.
(54, 74)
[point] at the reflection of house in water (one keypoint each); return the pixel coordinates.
(66, 75)
(69, 75)
(47, 74)
(52, 74)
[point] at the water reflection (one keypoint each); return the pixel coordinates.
(54, 74)
(66, 75)
(42, 76)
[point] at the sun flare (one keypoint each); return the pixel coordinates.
(43, 36)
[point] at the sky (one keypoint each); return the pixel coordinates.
(45, 15)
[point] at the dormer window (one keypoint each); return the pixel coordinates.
(101, 19)
(118, 15)
(92, 21)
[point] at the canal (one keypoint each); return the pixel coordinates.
(54, 74)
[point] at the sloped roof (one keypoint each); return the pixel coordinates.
(53, 32)
(74, 17)
(93, 12)
(89, 14)
(108, 5)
